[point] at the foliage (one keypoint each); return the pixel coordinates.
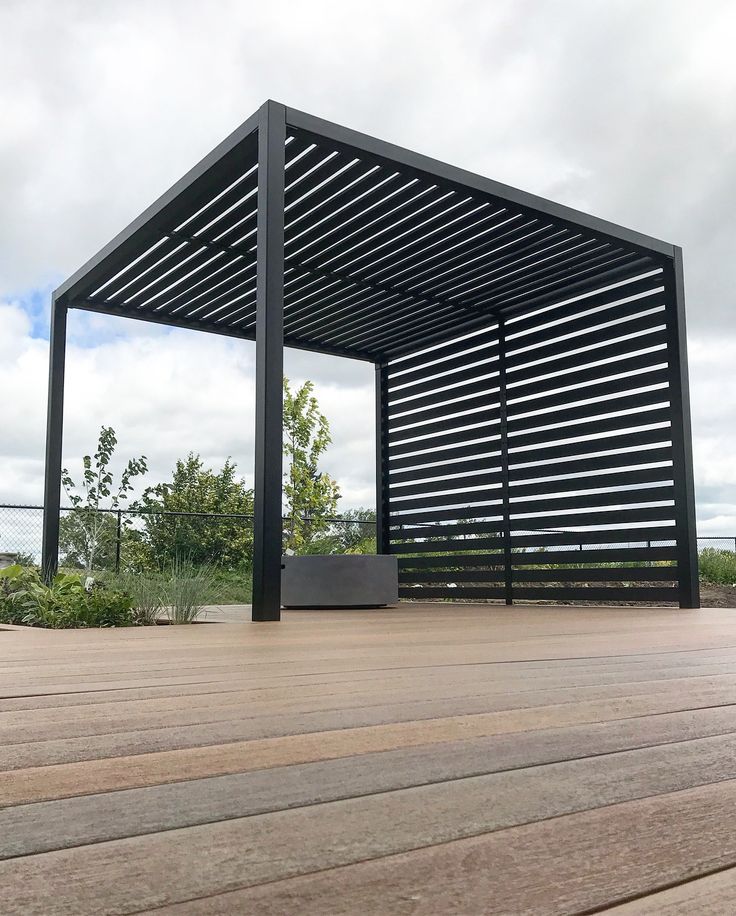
(186, 590)
(26, 600)
(88, 531)
(311, 495)
(164, 540)
(146, 592)
(81, 544)
(717, 566)
(356, 535)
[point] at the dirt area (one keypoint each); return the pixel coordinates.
(718, 595)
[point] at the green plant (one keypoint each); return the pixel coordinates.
(146, 592)
(26, 600)
(186, 591)
(225, 540)
(717, 566)
(311, 495)
(89, 531)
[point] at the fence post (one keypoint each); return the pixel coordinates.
(118, 539)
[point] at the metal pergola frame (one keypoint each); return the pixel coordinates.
(532, 409)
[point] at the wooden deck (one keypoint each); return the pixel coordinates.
(427, 760)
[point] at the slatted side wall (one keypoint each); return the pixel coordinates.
(443, 458)
(587, 510)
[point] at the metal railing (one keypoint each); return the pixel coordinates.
(21, 530)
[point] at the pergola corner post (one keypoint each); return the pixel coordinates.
(685, 524)
(382, 526)
(54, 431)
(267, 534)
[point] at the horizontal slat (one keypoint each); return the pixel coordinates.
(608, 517)
(639, 326)
(448, 364)
(615, 425)
(585, 380)
(489, 417)
(566, 310)
(456, 395)
(484, 369)
(621, 555)
(598, 574)
(632, 441)
(479, 514)
(426, 357)
(600, 389)
(420, 593)
(466, 406)
(600, 481)
(427, 487)
(460, 530)
(436, 442)
(460, 575)
(599, 595)
(565, 503)
(597, 463)
(633, 535)
(460, 451)
(620, 352)
(578, 325)
(564, 415)
(485, 560)
(448, 546)
(462, 498)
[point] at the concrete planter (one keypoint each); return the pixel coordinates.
(339, 581)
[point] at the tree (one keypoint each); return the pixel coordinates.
(355, 534)
(87, 535)
(310, 495)
(198, 539)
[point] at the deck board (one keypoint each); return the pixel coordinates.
(429, 759)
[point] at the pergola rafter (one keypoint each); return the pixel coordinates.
(507, 331)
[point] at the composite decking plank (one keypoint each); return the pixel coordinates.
(506, 750)
(386, 853)
(469, 713)
(712, 895)
(105, 719)
(483, 800)
(577, 863)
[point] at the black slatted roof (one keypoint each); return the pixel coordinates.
(385, 251)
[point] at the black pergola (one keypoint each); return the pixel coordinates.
(532, 412)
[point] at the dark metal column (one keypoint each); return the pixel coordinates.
(382, 539)
(54, 427)
(267, 535)
(687, 544)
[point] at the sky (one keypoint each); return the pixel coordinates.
(622, 109)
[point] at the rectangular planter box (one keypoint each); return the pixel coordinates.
(339, 581)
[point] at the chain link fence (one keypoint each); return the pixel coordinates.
(109, 539)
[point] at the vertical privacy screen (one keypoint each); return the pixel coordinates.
(532, 419)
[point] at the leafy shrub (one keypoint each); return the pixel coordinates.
(26, 600)
(717, 566)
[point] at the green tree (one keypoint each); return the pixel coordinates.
(310, 495)
(87, 535)
(224, 542)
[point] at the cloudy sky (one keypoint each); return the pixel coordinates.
(623, 108)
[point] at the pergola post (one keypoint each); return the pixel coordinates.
(382, 545)
(54, 428)
(267, 534)
(682, 449)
